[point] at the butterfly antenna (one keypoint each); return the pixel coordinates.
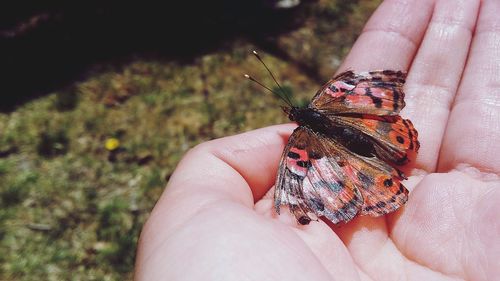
(267, 88)
(288, 101)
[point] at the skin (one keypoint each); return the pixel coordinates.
(215, 222)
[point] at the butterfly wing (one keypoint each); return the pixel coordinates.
(379, 183)
(375, 92)
(320, 177)
(370, 102)
(312, 185)
(392, 136)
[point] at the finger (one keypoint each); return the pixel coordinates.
(473, 128)
(445, 213)
(238, 169)
(391, 36)
(248, 161)
(435, 74)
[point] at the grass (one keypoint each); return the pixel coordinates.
(72, 209)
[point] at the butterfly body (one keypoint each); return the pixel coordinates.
(339, 162)
(321, 124)
(311, 118)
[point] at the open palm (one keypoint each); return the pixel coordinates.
(214, 221)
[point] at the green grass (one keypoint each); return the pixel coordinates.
(70, 209)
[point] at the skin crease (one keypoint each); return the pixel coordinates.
(215, 222)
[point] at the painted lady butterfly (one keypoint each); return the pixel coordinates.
(339, 162)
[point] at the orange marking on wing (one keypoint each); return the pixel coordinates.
(359, 100)
(372, 124)
(398, 139)
(387, 104)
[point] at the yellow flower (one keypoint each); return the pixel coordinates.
(112, 144)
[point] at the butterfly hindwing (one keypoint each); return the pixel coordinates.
(378, 182)
(375, 92)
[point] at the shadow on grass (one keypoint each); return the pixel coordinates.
(50, 45)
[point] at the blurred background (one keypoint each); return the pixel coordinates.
(100, 100)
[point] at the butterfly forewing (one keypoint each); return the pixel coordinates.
(375, 92)
(391, 136)
(331, 179)
(291, 174)
(313, 184)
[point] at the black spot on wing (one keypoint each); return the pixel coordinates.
(313, 154)
(304, 220)
(293, 155)
(376, 100)
(304, 164)
(388, 182)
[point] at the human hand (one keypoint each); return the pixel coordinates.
(213, 221)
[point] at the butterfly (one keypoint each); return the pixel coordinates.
(340, 160)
